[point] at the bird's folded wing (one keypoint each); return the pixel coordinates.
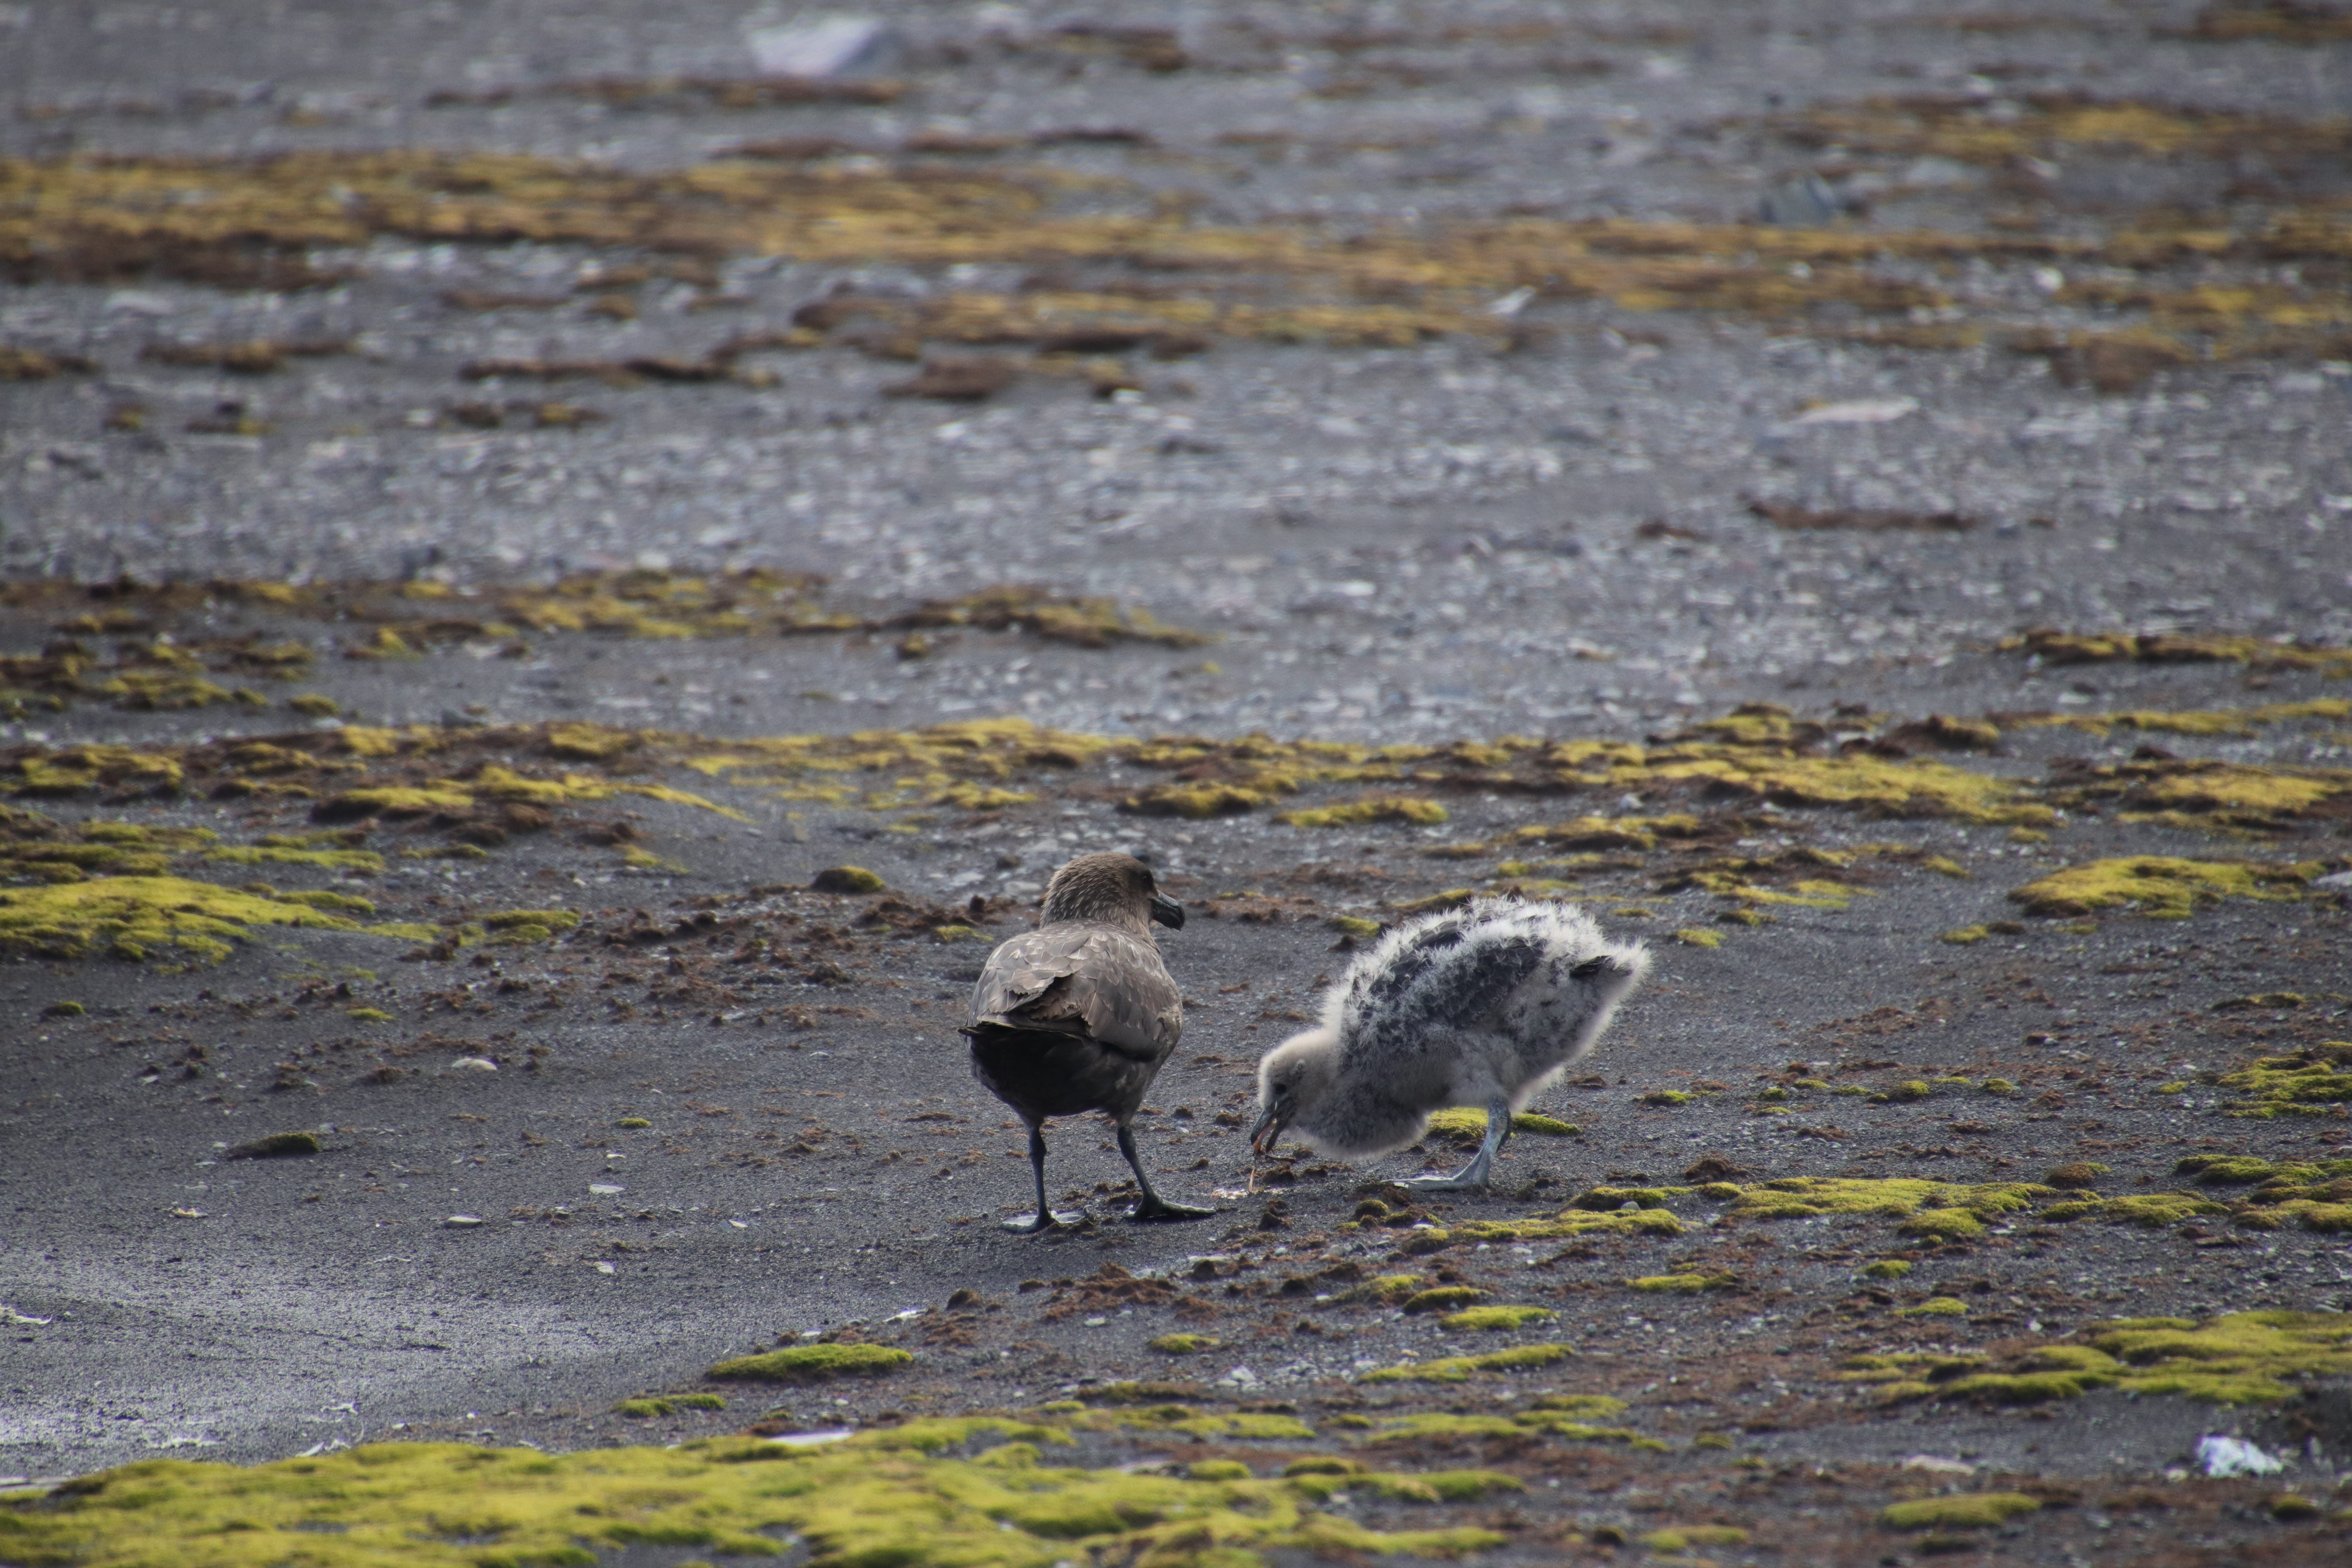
(1104, 984)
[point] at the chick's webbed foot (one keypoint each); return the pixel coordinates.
(1471, 1178)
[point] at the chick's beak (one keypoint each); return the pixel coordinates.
(1167, 911)
(1268, 1131)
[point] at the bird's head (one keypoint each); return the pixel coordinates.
(1112, 888)
(1291, 1083)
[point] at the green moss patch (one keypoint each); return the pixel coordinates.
(1478, 1318)
(1462, 1368)
(1184, 1344)
(1960, 1510)
(1936, 1306)
(1570, 1223)
(813, 1363)
(1382, 808)
(2153, 1210)
(132, 918)
(1943, 1225)
(2241, 1358)
(1683, 1284)
(2309, 1082)
(1898, 1197)
(1185, 1420)
(877, 1500)
(1513, 1429)
(1462, 1124)
(2159, 887)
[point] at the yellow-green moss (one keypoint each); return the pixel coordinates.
(2241, 1358)
(1411, 1430)
(1960, 1510)
(847, 879)
(1886, 1269)
(881, 1498)
(1196, 803)
(1462, 1124)
(1217, 1470)
(1936, 1306)
(1387, 1290)
(1570, 1223)
(668, 1405)
(2159, 887)
(1435, 903)
(1185, 1344)
(813, 1363)
(130, 917)
(1476, 1318)
(632, 1123)
(1187, 1421)
(1383, 808)
(1459, 1369)
(1896, 1197)
(1943, 1225)
(1690, 936)
(1683, 1284)
(2309, 1082)
(2154, 1210)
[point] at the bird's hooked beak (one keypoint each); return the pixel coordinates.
(1268, 1131)
(1167, 911)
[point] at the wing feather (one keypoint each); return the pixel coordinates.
(1088, 980)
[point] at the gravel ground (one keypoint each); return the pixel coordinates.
(1596, 506)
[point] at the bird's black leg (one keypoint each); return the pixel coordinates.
(1045, 1218)
(1473, 1175)
(1153, 1206)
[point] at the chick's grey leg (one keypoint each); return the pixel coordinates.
(1045, 1218)
(1153, 1206)
(1471, 1178)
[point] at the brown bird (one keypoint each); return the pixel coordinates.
(1078, 1014)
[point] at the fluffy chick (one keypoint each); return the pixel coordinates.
(1481, 1006)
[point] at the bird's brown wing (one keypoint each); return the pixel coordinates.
(1083, 980)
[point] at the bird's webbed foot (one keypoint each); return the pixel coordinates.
(1462, 1182)
(1049, 1219)
(1159, 1208)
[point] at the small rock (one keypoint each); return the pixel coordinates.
(1861, 411)
(461, 1222)
(473, 1063)
(1805, 202)
(821, 46)
(2225, 1457)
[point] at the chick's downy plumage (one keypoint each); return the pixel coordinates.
(1079, 1013)
(1478, 1006)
